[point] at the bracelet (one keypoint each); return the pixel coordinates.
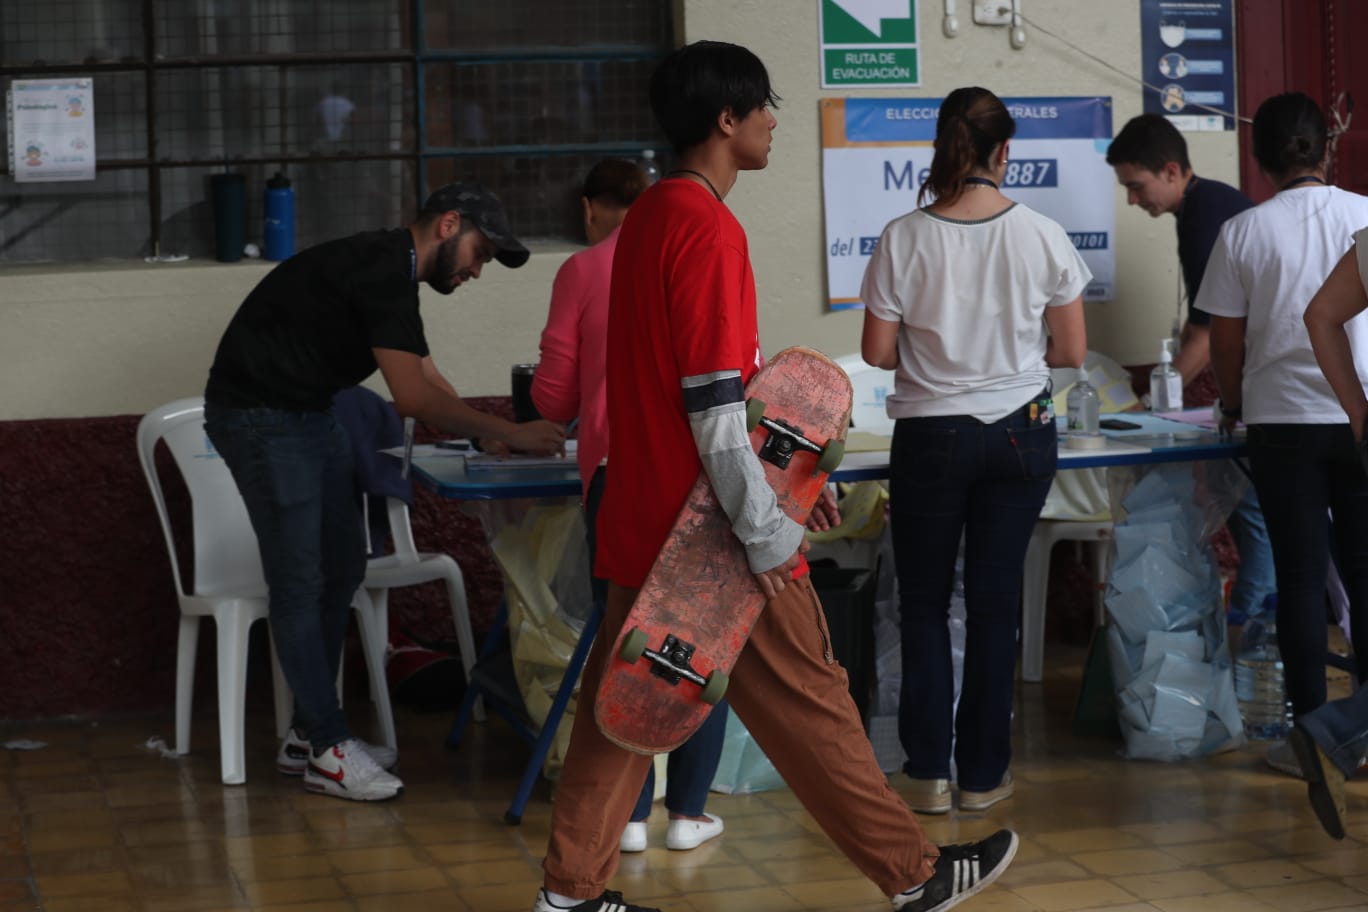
(1236, 413)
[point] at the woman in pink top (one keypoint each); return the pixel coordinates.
(569, 383)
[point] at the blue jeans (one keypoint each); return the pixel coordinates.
(1340, 728)
(1301, 471)
(294, 470)
(1257, 578)
(693, 764)
(953, 475)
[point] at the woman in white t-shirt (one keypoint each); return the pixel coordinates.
(1267, 264)
(958, 299)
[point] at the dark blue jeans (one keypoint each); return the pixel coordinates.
(294, 470)
(693, 764)
(1340, 727)
(953, 475)
(1301, 472)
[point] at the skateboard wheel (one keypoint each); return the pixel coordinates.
(633, 645)
(831, 457)
(755, 409)
(715, 688)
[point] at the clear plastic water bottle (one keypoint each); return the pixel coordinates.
(1259, 682)
(650, 165)
(1084, 406)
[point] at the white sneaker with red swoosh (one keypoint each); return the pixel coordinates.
(348, 771)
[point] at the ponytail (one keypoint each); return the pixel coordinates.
(972, 123)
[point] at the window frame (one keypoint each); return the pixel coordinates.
(418, 57)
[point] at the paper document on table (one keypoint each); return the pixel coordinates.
(420, 451)
(486, 461)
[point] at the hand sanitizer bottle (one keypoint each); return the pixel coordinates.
(1083, 406)
(1166, 384)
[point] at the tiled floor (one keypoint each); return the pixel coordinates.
(95, 822)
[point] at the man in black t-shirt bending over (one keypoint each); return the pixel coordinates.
(322, 321)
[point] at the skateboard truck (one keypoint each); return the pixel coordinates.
(672, 662)
(786, 439)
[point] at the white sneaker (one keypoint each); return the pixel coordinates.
(690, 834)
(982, 801)
(634, 837)
(293, 757)
(346, 770)
(929, 796)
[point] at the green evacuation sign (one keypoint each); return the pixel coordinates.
(869, 43)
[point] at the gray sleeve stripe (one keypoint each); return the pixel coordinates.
(705, 379)
(769, 537)
(720, 428)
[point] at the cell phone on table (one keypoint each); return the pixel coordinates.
(461, 445)
(1116, 424)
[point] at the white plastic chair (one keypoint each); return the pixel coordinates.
(407, 566)
(228, 584)
(1036, 582)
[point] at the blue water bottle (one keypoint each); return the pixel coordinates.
(278, 234)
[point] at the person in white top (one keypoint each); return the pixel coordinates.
(1267, 264)
(958, 298)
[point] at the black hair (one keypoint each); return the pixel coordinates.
(615, 181)
(1289, 134)
(972, 123)
(694, 84)
(1150, 141)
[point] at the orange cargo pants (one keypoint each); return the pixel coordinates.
(794, 699)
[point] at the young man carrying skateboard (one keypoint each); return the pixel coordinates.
(682, 343)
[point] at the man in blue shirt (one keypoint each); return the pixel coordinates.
(1150, 158)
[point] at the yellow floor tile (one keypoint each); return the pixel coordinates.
(1077, 894)
(410, 881)
(1170, 884)
(110, 827)
(280, 892)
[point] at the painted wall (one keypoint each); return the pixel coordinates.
(108, 339)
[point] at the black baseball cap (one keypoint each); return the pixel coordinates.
(478, 203)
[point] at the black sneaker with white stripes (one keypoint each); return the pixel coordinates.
(961, 871)
(610, 901)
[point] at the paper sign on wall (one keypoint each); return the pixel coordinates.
(52, 129)
(869, 43)
(877, 151)
(1187, 50)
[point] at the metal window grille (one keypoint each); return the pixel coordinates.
(366, 105)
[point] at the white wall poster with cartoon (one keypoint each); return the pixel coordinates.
(52, 129)
(876, 152)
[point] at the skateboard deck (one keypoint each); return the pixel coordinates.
(670, 662)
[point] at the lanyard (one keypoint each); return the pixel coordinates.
(1304, 179)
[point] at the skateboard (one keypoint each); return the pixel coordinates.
(671, 660)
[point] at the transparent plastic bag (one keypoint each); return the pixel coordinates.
(1166, 637)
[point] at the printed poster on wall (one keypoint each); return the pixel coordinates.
(1187, 52)
(52, 129)
(877, 151)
